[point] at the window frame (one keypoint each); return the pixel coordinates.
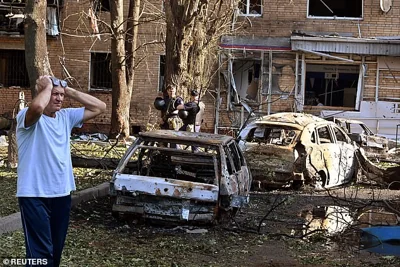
(340, 130)
(95, 89)
(335, 17)
(9, 62)
(331, 136)
(247, 14)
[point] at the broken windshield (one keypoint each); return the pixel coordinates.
(282, 136)
(177, 161)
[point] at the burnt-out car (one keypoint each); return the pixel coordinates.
(374, 145)
(181, 176)
(292, 149)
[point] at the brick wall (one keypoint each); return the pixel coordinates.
(280, 18)
(71, 53)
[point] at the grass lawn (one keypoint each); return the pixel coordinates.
(84, 178)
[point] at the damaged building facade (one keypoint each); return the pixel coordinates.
(79, 48)
(329, 58)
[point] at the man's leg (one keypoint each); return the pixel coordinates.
(35, 216)
(61, 207)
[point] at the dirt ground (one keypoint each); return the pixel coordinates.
(274, 230)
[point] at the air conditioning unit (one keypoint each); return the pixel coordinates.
(331, 75)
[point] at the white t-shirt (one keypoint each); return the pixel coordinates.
(200, 114)
(44, 156)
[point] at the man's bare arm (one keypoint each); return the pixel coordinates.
(93, 106)
(39, 103)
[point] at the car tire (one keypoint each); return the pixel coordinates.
(225, 216)
(297, 184)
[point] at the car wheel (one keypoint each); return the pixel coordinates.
(115, 214)
(297, 184)
(225, 216)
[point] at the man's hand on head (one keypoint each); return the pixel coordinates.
(43, 82)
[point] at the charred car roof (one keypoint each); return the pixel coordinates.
(345, 120)
(295, 120)
(199, 138)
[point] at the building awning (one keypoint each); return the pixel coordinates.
(347, 45)
(256, 43)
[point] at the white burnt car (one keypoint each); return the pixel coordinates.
(375, 146)
(292, 149)
(181, 176)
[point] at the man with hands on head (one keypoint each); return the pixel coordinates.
(45, 177)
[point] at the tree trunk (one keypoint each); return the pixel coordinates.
(121, 93)
(36, 59)
(131, 40)
(193, 32)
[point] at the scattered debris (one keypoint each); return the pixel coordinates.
(91, 137)
(3, 141)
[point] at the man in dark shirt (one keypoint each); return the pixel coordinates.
(169, 115)
(192, 109)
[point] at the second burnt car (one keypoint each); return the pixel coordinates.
(292, 149)
(180, 176)
(375, 146)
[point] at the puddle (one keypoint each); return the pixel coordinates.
(376, 229)
(328, 219)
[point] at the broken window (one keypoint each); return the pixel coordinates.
(12, 22)
(100, 71)
(359, 129)
(14, 3)
(340, 137)
(324, 135)
(331, 85)
(246, 79)
(12, 69)
(335, 8)
(250, 7)
(101, 5)
(276, 135)
(156, 159)
(12, 16)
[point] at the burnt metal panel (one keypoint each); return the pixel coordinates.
(166, 187)
(196, 138)
(360, 46)
(166, 209)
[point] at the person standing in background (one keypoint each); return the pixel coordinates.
(169, 112)
(190, 110)
(200, 114)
